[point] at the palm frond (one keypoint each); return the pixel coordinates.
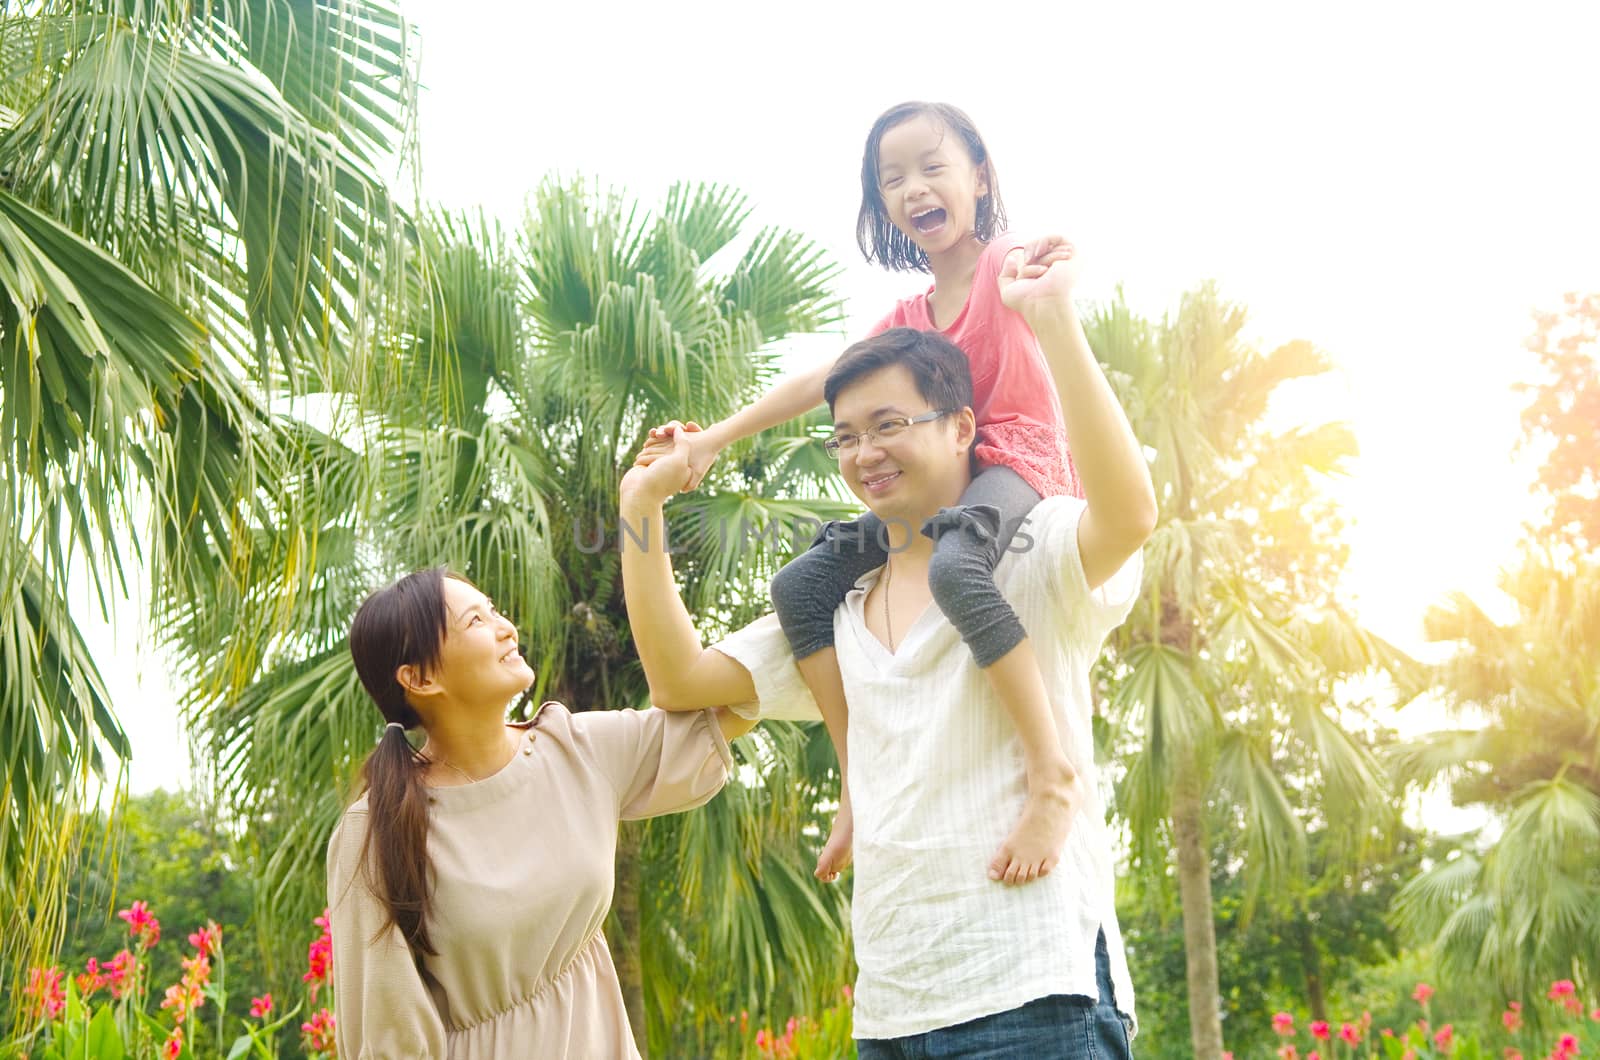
(1160, 699)
(347, 66)
(1275, 838)
(166, 153)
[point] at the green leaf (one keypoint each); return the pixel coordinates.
(103, 1040)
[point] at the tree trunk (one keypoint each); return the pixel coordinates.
(625, 940)
(1311, 962)
(1199, 930)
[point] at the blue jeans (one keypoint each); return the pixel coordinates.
(1058, 1027)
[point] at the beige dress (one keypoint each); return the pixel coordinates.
(523, 864)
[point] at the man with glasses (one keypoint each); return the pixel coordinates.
(951, 962)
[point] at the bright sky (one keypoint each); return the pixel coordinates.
(1402, 184)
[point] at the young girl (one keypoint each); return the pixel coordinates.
(930, 202)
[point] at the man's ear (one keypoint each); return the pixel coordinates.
(966, 429)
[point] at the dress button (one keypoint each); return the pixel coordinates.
(527, 749)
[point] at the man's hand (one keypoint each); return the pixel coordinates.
(1039, 275)
(666, 470)
(704, 448)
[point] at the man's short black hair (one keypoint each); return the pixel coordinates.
(942, 372)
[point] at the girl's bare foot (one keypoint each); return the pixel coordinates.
(1034, 846)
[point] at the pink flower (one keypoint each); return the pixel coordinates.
(207, 939)
(261, 1007)
(1511, 1054)
(1319, 1030)
(123, 967)
(1313, 1055)
(1445, 1039)
(137, 915)
(1512, 1018)
(91, 979)
(1226, 1055)
(198, 968)
(44, 986)
(1386, 1033)
(1562, 988)
(317, 1034)
(177, 999)
(1568, 1045)
(1422, 993)
(173, 1045)
(141, 924)
(1288, 1052)
(1595, 1015)
(763, 1039)
(1283, 1024)
(319, 957)
(1349, 1034)
(849, 995)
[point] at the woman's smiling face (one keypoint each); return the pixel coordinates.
(478, 660)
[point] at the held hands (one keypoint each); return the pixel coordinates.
(703, 450)
(662, 466)
(1039, 275)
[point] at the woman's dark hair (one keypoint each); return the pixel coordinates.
(401, 625)
(876, 235)
(942, 372)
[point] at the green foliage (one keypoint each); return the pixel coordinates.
(1522, 905)
(182, 230)
(167, 850)
(1223, 686)
(491, 437)
(1295, 954)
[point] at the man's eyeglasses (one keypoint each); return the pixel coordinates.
(884, 430)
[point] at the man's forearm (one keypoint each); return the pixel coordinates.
(1109, 459)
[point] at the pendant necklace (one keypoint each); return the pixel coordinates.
(888, 626)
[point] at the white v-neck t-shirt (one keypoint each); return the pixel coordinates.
(937, 782)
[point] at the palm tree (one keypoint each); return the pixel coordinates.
(511, 404)
(189, 218)
(1222, 681)
(1519, 904)
(1523, 908)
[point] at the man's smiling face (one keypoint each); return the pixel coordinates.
(917, 471)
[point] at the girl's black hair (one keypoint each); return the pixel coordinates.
(880, 241)
(400, 625)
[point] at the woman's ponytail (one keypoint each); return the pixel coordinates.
(397, 833)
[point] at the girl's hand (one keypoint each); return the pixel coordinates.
(1044, 252)
(662, 466)
(703, 450)
(1037, 274)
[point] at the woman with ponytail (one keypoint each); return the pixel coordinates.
(469, 882)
